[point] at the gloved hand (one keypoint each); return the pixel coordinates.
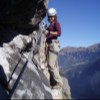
(46, 32)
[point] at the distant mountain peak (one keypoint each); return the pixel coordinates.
(75, 49)
(82, 65)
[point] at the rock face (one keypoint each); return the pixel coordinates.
(22, 44)
(19, 14)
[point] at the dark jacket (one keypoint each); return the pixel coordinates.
(55, 28)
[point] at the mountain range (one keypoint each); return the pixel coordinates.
(81, 65)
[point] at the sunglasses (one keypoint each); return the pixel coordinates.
(50, 16)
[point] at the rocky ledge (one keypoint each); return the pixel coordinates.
(20, 35)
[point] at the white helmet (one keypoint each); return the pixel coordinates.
(52, 12)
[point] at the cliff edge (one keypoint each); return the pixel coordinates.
(23, 65)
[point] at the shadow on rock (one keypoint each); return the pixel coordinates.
(3, 84)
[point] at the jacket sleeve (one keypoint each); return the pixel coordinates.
(58, 28)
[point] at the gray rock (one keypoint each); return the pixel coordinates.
(18, 38)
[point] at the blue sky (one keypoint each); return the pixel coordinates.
(80, 21)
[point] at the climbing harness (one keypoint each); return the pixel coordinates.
(35, 42)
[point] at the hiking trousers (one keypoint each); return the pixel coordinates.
(53, 49)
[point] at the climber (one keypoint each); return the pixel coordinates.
(53, 31)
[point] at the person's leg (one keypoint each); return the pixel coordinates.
(53, 68)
